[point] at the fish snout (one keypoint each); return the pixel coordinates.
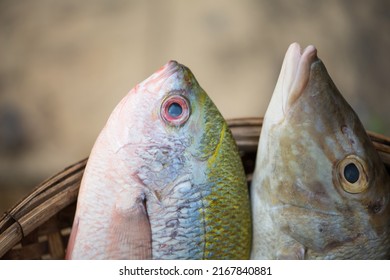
(298, 64)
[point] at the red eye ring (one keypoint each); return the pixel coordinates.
(175, 110)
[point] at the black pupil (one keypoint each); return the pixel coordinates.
(351, 173)
(175, 110)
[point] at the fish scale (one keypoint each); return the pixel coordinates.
(172, 242)
(227, 203)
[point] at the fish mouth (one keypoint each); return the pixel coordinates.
(168, 69)
(162, 77)
(295, 73)
(293, 79)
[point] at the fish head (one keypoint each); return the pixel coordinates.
(167, 151)
(171, 118)
(170, 103)
(165, 103)
(317, 170)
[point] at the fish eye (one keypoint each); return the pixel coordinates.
(352, 174)
(175, 110)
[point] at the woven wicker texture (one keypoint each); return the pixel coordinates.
(38, 227)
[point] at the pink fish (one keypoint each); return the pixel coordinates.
(164, 179)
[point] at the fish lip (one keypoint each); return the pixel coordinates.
(169, 69)
(296, 73)
(159, 79)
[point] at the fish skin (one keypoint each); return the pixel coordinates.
(153, 190)
(301, 208)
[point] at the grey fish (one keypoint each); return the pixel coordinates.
(320, 189)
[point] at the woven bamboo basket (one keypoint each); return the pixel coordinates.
(38, 227)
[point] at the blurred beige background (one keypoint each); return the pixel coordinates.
(64, 65)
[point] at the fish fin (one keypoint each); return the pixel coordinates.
(130, 234)
(72, 239)
(295, 251)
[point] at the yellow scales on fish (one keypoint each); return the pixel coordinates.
(320, 189)
(164, 179)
